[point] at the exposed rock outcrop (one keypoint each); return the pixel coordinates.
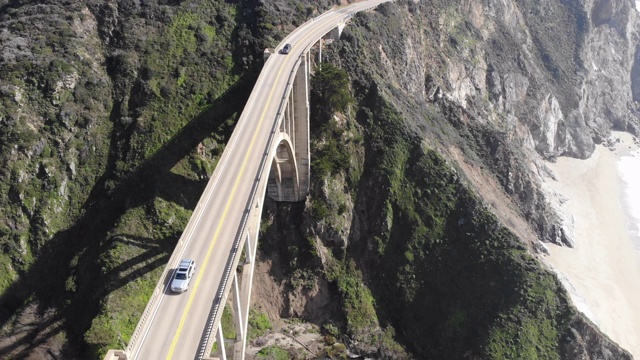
(586, 343)
(106, 143)
(502, 85)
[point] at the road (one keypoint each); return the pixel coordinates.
(175, 326)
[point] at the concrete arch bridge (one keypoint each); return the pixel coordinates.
(267, 155)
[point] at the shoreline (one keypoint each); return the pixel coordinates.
(602, 271)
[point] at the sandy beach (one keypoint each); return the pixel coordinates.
(603, 268)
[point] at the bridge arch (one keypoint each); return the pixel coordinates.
(284, 179)
(282, 172)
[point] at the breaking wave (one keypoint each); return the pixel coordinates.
(629, 172)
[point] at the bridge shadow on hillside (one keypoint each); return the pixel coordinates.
(88, 239)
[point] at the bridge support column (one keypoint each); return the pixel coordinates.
(244, 304)
(336, 33)
(247, 249)
(221, 344)
(290, 167)
(300, 131)
(243, 280)
(237, 310)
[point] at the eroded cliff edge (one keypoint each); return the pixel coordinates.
(541, 79)
(417, 240)
(495, 88)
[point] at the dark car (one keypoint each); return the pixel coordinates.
(183, 275)
(286, 48)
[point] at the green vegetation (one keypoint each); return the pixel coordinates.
(273, 352)
(451, 269)
(258, 324)
(358, 303)
(182, 69)
(113, 330)
(5, 267)
(330, 91)
(186, 67)
(129, 284)
(336, 145)
(336, 351)
(329, 94)
(227, 323)
(439, 267)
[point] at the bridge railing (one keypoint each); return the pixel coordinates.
(223, 291)
(238, 244)
(160, 287)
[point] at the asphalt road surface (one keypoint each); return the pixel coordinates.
(177, 323)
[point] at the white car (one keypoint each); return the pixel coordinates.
(182, 276)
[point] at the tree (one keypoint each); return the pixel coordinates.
(329, 91)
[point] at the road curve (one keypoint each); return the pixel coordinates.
(176, 321)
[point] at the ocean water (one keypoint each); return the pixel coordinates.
(629, 172)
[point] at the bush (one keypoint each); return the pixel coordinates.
(273, 352)
(258, 324)
(329, 91)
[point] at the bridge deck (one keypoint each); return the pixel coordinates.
(173, 324)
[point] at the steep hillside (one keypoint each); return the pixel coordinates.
(418, 238)
(423, 187)
(113, 114)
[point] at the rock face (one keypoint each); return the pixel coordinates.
(586, 343)
(106, 142)
(497, 87)
(541, 79)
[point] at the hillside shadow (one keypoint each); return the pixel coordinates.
(87, 240)
(165, 188)
(51, 328)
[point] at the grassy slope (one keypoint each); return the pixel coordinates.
(427, 258)
(441, 270)
(123, 144)
(187, 77)
(459, 280)
(161, 85)
(132, 142)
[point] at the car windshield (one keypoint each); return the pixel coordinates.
(181, 276)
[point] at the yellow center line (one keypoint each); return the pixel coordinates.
(222, 219)
(224, 215)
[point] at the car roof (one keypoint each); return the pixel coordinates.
(186, 262)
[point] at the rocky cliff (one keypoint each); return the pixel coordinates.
(106, 106)
(540, 79)
(107, 140)
(494, 87)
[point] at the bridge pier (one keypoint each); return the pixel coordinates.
(288, 181)
(286, 164)
(290, 167)
(301, 131)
